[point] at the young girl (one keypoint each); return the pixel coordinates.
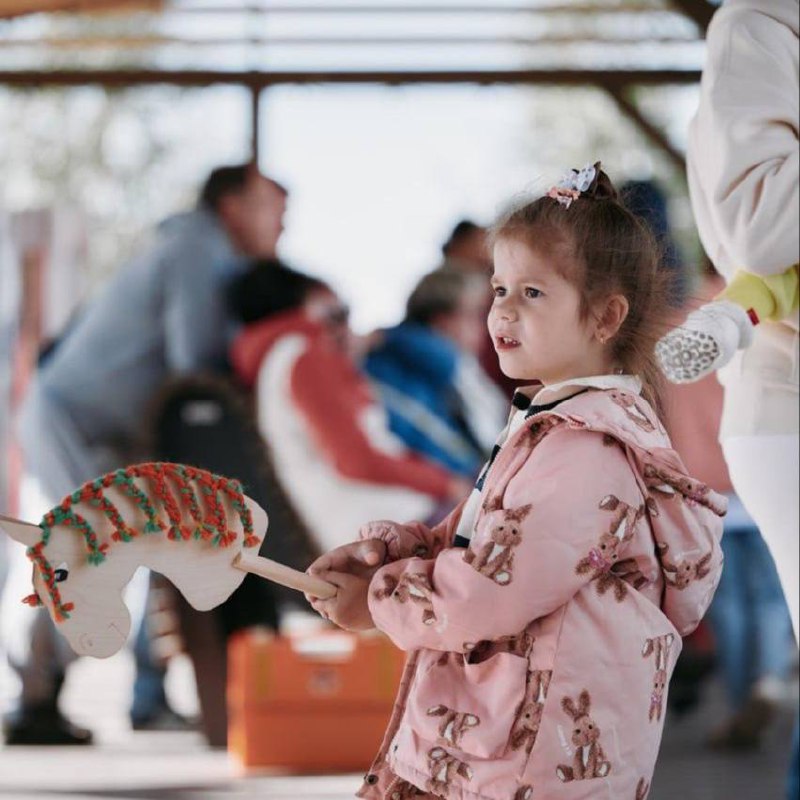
(543, 617)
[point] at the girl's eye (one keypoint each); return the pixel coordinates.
(532, 293)
(499, 291)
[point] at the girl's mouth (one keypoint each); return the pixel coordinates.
(505, 343)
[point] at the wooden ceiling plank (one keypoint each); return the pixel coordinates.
(18, 8)
(14, 8)
(74, 42)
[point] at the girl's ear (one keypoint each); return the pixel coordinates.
(22, 532)
(611, 316)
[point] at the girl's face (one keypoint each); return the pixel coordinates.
(535, 321)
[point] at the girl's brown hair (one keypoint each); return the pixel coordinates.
(602, 249)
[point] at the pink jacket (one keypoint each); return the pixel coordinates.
(542, 652)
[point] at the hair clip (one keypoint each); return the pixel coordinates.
(574, 184)
(564, 195)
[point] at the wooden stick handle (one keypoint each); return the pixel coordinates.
(285, 576)
(18, 522)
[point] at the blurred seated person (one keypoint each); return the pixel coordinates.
(467, 251)
(333, 452)
(441, 402)
(749, 617)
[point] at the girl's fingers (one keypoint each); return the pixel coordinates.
(353, 557)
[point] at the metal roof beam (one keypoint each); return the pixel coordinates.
(610, 79)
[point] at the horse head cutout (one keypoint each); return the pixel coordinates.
(185, 523)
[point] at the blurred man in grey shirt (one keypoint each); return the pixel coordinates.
(163, 314)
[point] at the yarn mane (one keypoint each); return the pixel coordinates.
(171, 484)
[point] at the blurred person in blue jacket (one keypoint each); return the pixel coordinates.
(163, 314)
(440, 401)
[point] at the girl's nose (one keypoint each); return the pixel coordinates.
(505, 308)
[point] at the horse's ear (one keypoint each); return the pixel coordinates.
(22, 532)
(260, 519)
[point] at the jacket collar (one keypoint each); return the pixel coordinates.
(546, 395)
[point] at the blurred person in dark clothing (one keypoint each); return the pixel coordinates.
(647, 200)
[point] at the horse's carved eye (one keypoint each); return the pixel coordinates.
(61, 573)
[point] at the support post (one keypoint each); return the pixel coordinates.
(658, 137)
(255, 116)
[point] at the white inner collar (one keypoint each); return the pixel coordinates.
(542, 395)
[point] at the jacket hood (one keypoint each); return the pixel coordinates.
(685, 514)
(254, 342)
(787, 12)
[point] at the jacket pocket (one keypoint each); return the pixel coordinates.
(469, 707)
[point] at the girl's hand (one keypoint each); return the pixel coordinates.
(348, 608)
(361, 558)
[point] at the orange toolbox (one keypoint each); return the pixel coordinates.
(318, 702)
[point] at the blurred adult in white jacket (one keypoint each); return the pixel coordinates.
(744, 167)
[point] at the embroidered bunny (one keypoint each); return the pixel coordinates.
(628, 571)
(413, 587)
(495, 558)
(627, 402)
(603, 557)
(444, 769)
(518, 645)
(455, 724)
(589, 760)
(538, 429)
(402, 790)
(660, 645)
(668, 484)
(682, 573)
(529, 713)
